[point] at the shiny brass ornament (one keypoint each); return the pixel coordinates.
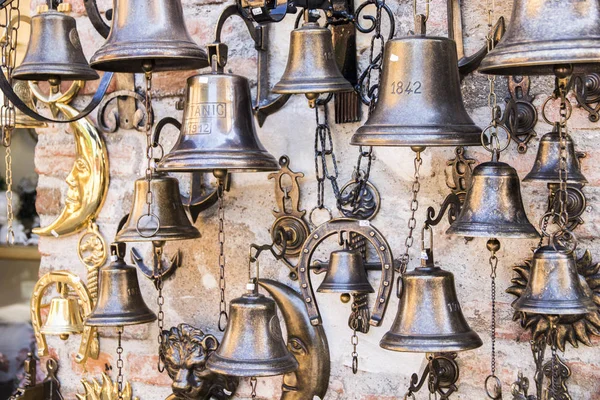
(22, 120)
(107, 390)
(544, 34)
(148, 35)
(346, 274)
(64, 318)
(218, 131)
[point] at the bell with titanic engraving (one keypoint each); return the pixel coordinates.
(554, 286)
(547, 163)
(120, 300)
(54, 51)
(429, 317)
(311, 68)
(544, 34)
(346, 274)
(253, 344)
(218, 131)
(64, 318)
(493, 205)
(167, 219)
(148, 34)
(420, 102)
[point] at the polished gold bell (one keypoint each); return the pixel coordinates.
(346, 274)
(64, 317)
(218, 131)
(148, 35)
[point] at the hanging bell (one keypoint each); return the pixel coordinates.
(493, 205)
(311, 68)
(554, 286)
(545, 33)
(54, 51)
(346, 274)
(120, 300)
(166, 220)
(547, 163)
(218, 131)
(148, 34)
(419, 103)
(64, 318)
(429, 317)
(253, 343)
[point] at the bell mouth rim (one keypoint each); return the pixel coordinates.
(53, 332)
(30, 72)
(181, 162)
(225, 366)
(190, 58)
(131, 235)
(553, 178)
(291, 87)
(101, 321)
(407, 136)
(555, 307)
(334, 290)
(390, 341)
(464, 229)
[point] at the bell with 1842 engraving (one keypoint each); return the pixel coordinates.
(218, 131)
(64, 318)
(346, 274)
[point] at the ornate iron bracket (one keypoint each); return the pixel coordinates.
(49, 389)
(520, 115)
(126, 114)
(587, 94)
(91, 9)
(576, 203)
(441, 374)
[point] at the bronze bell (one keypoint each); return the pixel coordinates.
(429, 317)
(346, 274)
(120, 300)
(545, 33)
(148, 34)
(493, 205)
(311, 68)
(554, 286)
(547, 163)
(420, 102)
(167, 219)
(54, 50)
(253, 344)
(64, 318)
(218, 129)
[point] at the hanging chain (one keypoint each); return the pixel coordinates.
(324, 156)
(354, 342)
(493, 385)
(563, 213)
(149, 144)
(223, 317)
(414, 206)
(253, 384)
(160, 301)
(119, 363)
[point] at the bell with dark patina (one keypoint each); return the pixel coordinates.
(64, 318)
(167, 219)
(429, 317)
(419, 103)
(544, 34)
(493, 205)
(311, 68)
(253, 344)
(346, 274)
(54, 51)
(554, 286)
(218, 131)
(148, 35)
(120, 300)
(547, 163)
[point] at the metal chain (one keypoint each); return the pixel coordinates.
(354, 342)
(120, 363)
(160, 300)
(149, 144)
(324, 156)
(223, 317)
(563, 216)
(493, 245)
(253, 384)
(10, 216)
(414, 206)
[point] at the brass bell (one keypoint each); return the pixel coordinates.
(64, 317)
(554, 286)
(493, 205)
(547, 163)
(311, 68)
(54, 50)
(148, 34)
(120, 300)
(420, 102)
(253, 344)
(346, 274)
(218, 131)
(543, 34)
(429, 317)
(167, 219)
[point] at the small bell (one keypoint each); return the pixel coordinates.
(554, 286)
(167, 219)
(547, 163)
(346, 274)
(493, 205)
(148, 33)
(54, 50)
(545, 33)
(120, 300)
(64, 317)
(218, 131)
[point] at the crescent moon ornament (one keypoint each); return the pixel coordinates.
(307, 343)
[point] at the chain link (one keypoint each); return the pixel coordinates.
(354, 342)
(324, 156)
(495, 391)
(253, 384)
(149, 144)
(10, 233)
(563, 217)
(412, 221)
(223, 317)
(160, 301)
(120, 363)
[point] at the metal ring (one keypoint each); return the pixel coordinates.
(310, 216)
(152, 217)
(223, 317)
(497, 388)
(563, 232)
(569, 109)
(489, 128)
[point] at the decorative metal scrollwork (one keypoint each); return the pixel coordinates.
(587, 93)
(109, 118)
(520, 115)
(441, 374)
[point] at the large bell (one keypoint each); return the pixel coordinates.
(546, 33)
(493, 205)
(253, 344)
(167, 219)
(311, 68)
(429, 317)
(346, 274)
(420, 102)
(120, 300)
(547, 163)
(554, 286)
(64, 318)
(148, 33)
(218, 129)
(54, 50)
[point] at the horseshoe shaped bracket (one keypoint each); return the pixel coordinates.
(341, 226)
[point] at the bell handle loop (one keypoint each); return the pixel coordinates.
(493, 131)
(157, 133)
(430, 229)
(553, 98)
(223, 320)
(416, 11)
(151, 217)
(493, 387)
